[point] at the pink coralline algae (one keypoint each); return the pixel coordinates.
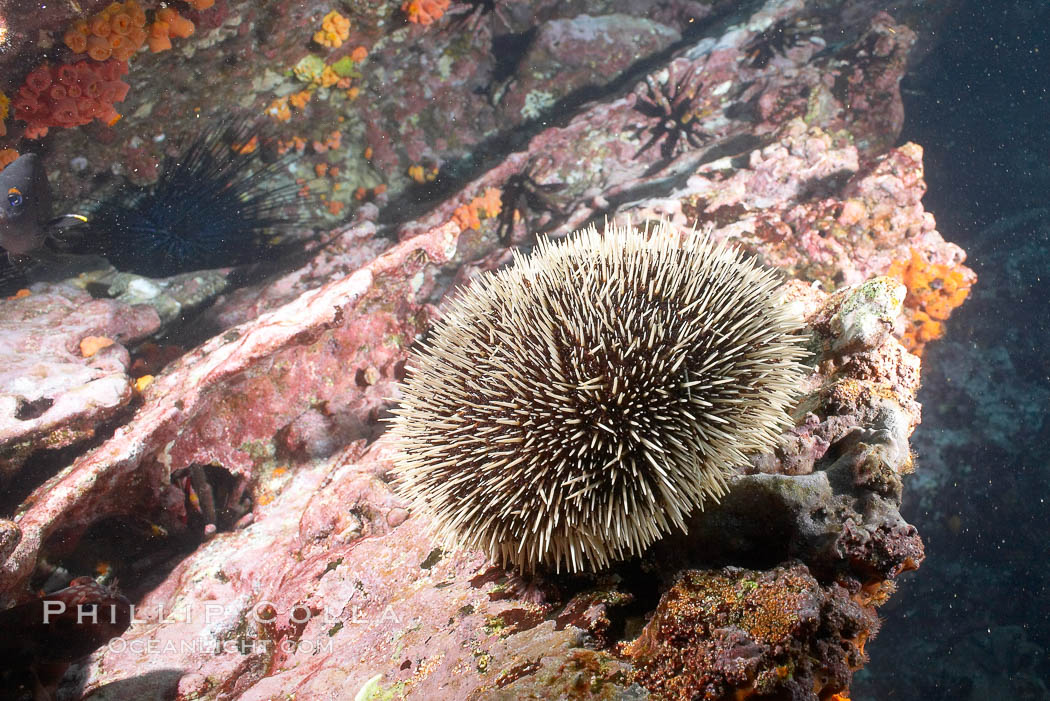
(52, 394)
(244, 498)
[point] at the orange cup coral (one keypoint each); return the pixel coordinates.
(116, 31)
(70, 95)
(424, 11)
(335, 29)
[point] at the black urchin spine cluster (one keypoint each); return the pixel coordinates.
(570, 410)
(216, 204)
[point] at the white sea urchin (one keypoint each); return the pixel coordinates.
(574, 407)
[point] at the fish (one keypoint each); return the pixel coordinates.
(25, 205)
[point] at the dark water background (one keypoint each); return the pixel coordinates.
(974, 621)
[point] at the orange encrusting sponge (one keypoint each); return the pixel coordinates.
(487, 205)
(934, 290)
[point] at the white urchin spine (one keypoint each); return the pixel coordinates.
(573, 408)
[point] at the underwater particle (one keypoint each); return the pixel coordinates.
(424, 12)
(570, 410)
(335, 29)
(214, 205)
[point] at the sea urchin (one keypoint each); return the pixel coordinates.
(215, 204)
(574, 407)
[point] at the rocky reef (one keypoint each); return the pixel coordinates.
(215, 444)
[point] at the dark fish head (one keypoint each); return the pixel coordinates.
(25, 205)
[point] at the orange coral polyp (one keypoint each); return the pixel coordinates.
(159, 42)
(66, 74)
(99, 48)
(137, 36)
(181, 27)
(76, 41)
(172, 23)
(99, 25)
(121, 23)
(39, 79)
(138, 17)
(65, 112)
(424, 12)
(70, 95)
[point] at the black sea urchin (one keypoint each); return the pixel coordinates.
(571, 409)
(214, 205)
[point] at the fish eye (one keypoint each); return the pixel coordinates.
(14, 197)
